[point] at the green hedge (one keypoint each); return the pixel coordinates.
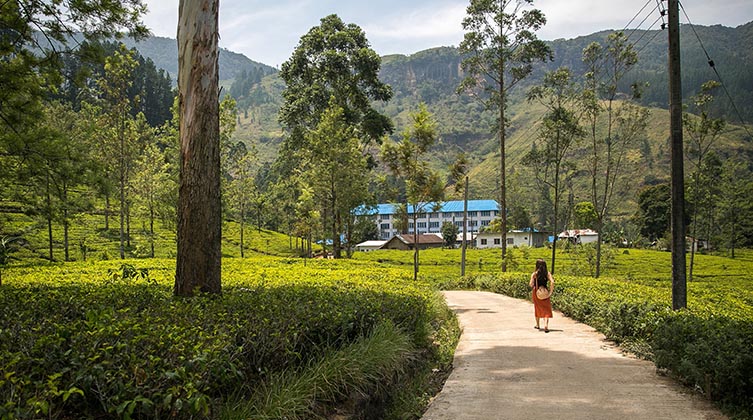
(710, 347)
(92, 346)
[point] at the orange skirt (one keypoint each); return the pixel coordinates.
(542, 308)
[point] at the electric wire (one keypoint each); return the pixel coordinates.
(641, 24)
(718, 76)
(636, 15)
(638, 52)
(662, 12)
(644, 34)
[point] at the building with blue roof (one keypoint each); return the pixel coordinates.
(480, 214)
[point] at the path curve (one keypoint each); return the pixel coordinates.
(506, 369)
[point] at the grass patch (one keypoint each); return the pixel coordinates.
(361, 368)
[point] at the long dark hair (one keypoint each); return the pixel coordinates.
(542, 277)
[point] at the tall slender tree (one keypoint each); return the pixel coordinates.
(200, 208)
(117, 107)
(152, 187)
(500, 48)
(736, 209)
(241, 189)
(615, 127)
(424, 189)
(336, 171)
(702, 132)
(559, 132)
(59, 165)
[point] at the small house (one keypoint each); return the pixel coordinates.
(515, 238)
(405, 242)
(370, 246)
(579, 236)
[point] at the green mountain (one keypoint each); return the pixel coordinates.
(164, 53)
(431, 76)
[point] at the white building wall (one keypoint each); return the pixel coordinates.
(432, 222)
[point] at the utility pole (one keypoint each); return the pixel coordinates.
(679, 285)
(465, 228)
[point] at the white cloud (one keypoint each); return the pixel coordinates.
(162, 18)
(427, 23)
(268, 31)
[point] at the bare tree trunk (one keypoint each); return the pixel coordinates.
(503, 183)
(128, 224)
(49, 217)
(66, 233)
(121, 183)
(415, 243)
(243, 225)
(335, 224)
(199, 205)
(151, 227)
(66, 225)
(600, 229)
(107, 211)
(556, 210)
(465, 228)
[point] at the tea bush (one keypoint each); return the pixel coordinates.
(77, 342)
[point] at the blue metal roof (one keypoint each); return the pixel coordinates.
(447, 207)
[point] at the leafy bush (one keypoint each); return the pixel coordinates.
(713, 354)
(74, 343)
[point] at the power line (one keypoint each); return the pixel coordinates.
(662, 12)
(636, 15)
(642, 22)
(646, 32)
(649, 41)
(718, 76)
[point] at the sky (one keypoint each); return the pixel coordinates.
(268, 31)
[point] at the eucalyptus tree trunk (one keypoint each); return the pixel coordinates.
(66, 223)
(49, 218)
(415, 243)
(243, 226)
(107, 211)
(199, 206)
(151, 226)
(502, 168)
(122, 186)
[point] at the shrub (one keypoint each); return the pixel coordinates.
(75, 344)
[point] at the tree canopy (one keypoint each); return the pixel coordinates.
(333, 60)
(35, 37)
(500, 48)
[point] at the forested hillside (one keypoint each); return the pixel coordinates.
(432, 76)
(113, 160)
(164, 53)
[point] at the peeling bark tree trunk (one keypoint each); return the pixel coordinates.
(199, 206)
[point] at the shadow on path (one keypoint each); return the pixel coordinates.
(506, 369)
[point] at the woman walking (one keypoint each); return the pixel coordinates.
(542, 284)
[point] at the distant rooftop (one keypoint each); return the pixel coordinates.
(446, 207)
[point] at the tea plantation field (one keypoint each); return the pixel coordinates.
(708, 346)
(284, 340)
(300, 338)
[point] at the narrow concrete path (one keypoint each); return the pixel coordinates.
(506, 369)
